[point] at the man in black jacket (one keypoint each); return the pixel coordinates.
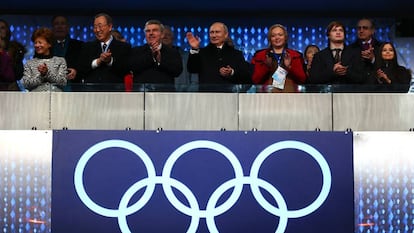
(337, 63)
(219, 62)
(65, 46)
(105, 59)
(155, 62)
(367, 44)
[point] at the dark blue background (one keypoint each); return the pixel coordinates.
(366, 7)
(112, 171)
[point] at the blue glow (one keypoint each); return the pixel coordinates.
(248, 39)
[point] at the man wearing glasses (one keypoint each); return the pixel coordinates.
(104, 60)
(367, 43)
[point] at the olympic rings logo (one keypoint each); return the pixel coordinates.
(211, 210)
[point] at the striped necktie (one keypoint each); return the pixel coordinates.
(104, 47)
(337, 56)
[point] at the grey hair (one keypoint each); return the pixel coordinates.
(157, 22)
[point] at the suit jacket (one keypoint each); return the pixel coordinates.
(369, 67)
(147, 70)
(321, 71)
(104, 73)
(210, 59)
(71, 52)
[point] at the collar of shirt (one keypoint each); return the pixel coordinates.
(108, 42)
(333, 49)
(367, 42)
(159, 46)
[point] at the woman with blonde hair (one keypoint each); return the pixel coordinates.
(278, 66)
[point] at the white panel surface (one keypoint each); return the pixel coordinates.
(373, 112)
(295, 111)
(97, 110)
(191, 111)
(24, 110)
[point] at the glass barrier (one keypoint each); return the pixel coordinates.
(222, 88)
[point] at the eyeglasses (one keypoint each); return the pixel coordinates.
(363, 27)
(99, 26)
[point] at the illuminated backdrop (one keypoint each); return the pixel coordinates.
(383, 170)
(247, 35)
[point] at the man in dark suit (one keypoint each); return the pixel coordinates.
(65, 46)
(155, 62)
(338, 63)
(367, 44)
(219, 62)
(105, 59)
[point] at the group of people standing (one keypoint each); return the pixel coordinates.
(366, 64)
(366, 61)
(59, 59)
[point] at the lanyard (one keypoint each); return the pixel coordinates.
(278, 57)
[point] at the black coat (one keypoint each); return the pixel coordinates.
(368, 65)
(104, 73)
(71, 54)
(147, 70)
(210, 59)
(321, 71)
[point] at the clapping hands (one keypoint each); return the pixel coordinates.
(105, 57)
(42, 68)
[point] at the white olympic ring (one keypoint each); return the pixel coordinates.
(193, 209)
(78, 177)
(306, 148)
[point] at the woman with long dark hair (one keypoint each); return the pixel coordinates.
(388, 72)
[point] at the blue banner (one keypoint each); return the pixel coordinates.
(202, 181)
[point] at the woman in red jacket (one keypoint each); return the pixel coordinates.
(278, 67)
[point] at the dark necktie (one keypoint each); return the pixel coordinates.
(104, 47)
(219, 57)
(337, 55)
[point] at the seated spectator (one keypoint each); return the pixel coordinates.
(11, 55)
(337, 63)
(219, 62)
(44, 72)
(278, 66)
(310, 51)
(104, 60)
(388, 73)
(155, 62)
